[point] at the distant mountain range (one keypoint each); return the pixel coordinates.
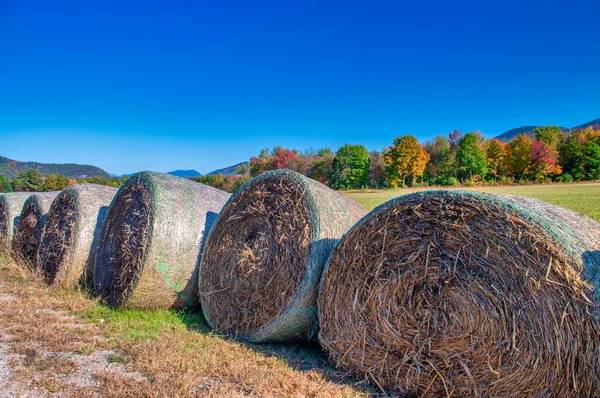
(185, 173)
(11, 168)
(193, 173)
(227, 170)
(510, 134)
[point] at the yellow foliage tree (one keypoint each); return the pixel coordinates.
(406, 158)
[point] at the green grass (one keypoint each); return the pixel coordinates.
(142, 325)
(583, 198)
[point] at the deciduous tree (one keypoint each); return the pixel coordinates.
(520, 156)
(470, 157)
(350, 167)
(495, 153)
(406, 158)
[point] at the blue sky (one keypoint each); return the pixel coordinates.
(129, 86)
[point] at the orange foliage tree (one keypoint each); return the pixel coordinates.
(406, 158)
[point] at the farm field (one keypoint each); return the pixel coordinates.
(583, 198)
(59, 343)
(62, 343)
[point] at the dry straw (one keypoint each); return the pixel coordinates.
(26, 240)
(264, 257)
(452, 293)
(151, 240)
(11, 205)
(70, 236)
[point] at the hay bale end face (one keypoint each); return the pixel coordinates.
(151, 239)
(26, 240)
(467, 294)
(71, 234)
(11, 205)
(263, 258)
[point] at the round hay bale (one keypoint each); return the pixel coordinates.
(453, 293)
(70, 235)
(263, 259)
(26, 240)
(151, 239)
(11, 205)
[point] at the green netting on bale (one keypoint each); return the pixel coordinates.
(26, 240)
(467, 294)
(71, 232)
(263, 258)
(11, 205)
(151, 239)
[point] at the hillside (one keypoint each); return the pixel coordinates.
(510, 134)
(513, 133)
(11, 168)
(588, 124)
(227, 170)
(185, 173)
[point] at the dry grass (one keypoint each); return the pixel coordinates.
(60, 341)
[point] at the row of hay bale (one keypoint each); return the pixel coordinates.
(438, 293)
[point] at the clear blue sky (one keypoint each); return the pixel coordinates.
(129, 86)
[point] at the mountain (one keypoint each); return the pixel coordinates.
(588, 124)
(227, 170)
(185, 173)
(510, 134)
(11, 168)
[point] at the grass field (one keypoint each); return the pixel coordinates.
(60, 341)
(583, 198)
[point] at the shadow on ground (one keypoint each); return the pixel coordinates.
(302, 357)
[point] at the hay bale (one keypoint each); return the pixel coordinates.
(70, 235)
(151, 239)
(459, 293)
(11, 205)
(26, 240)
(263, 258)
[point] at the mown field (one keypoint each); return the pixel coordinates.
(62, 342)
(583, 198)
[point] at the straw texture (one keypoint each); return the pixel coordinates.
(264, 257)
(71, 232)
(150, 242)
(11, 205)
(453, 293)
(26, 240)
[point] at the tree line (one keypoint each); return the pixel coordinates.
(447, 160)
(32, 180)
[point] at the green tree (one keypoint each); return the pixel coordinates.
(552, 136)
(5, 184)
(350, 168)
(55, 182)
(29, 180)
(470, 157)
(406, 158)
(441, 158)
(519, 158)
(578, 153)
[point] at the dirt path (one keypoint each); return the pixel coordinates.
(36, 357)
